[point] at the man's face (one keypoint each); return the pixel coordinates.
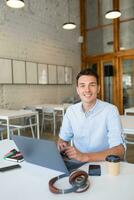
(87, 89)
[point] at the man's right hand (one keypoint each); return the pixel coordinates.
(62, 145)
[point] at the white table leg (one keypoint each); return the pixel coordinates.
(8, 129)
(38, 131)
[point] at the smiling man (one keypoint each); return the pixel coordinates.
(92, 125)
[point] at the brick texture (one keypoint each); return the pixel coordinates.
(34, 33)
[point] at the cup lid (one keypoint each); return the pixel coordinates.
(113, 158)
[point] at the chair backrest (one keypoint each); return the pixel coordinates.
(48, 112)
(30, 108)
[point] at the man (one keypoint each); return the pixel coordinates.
(92, 125)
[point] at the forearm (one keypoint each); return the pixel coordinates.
(100, 156)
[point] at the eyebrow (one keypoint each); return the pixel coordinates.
(93, 82)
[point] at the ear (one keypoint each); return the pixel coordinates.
(98, 89)
(77, 89)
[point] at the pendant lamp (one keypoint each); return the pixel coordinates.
(15, 3)
(113, 14)
(69, 25)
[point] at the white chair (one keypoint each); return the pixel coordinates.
(2, 130)
(48, 115)
(31, 120)
(28, 122)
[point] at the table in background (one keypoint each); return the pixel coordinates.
(59, 109)
(128, 126)
(56, 107)
(8, 115)
(31, 182)
(129, 111)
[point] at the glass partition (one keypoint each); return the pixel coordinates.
(108, 81)
(128, 83)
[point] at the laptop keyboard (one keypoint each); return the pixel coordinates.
(73, 164)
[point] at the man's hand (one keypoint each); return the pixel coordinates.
(74, 153)
(62, 145)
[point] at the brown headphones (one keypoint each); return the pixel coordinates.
(78, 180)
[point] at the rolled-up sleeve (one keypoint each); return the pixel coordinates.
(66, 132)
(114, 127)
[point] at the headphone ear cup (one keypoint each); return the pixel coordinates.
(78, 178)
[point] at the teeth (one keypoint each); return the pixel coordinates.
(87, 95)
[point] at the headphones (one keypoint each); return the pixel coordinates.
(78, 180)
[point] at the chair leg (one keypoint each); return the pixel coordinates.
(30, 121)
(1, 136)
(42, 125)
(54, 125)
(18, 131)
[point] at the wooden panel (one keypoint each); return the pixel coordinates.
(31, 72)
(52, 74)
(42, 74)
(68, 75)
(61, 74)
(5, 71)
(19, 73)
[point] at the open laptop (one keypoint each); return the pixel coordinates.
(44, 153)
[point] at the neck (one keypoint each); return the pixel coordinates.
(88, 106)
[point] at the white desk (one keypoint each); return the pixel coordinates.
(31, 182)
(128, 126)
(56, 107)
(129, 111)
(15, 114)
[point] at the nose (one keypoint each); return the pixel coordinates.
(87, 88)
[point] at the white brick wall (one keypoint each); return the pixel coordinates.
(35, 33)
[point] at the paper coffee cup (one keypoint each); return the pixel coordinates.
(113, 163)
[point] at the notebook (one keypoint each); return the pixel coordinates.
(44, 153)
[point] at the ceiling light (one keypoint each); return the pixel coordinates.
(15, 3)
(69, 25)
(113, 14)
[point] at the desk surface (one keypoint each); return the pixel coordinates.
(54, 106)
(127, 124)
(129, 110)
(10, 114)
(31, 182)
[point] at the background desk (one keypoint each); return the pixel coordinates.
(129, 111)
(56, 107)
(31, 182)
(128, 127)
(127, 124)
(15, 114)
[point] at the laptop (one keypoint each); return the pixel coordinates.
(44, 153)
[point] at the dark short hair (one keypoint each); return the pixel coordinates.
(87, 72)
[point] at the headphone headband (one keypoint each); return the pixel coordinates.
(78, 180)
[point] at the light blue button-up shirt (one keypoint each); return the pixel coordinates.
(92, 131)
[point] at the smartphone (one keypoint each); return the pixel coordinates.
(3, 169)
(94, 170)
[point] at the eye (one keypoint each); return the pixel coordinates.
(82, 86)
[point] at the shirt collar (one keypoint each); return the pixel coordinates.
(90, 111)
